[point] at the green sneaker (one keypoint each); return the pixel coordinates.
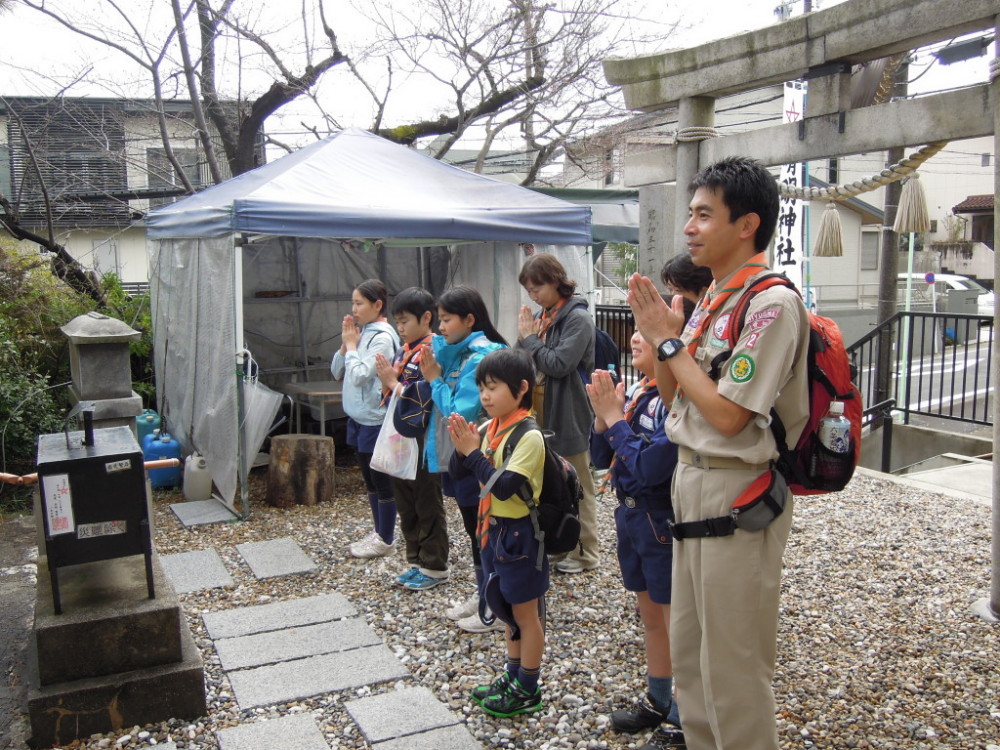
(479, 694)
(512, 701)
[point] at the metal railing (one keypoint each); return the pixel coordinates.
(618, 322)
(939, 364)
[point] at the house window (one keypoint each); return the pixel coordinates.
(161, 172)
(985, 160)
(982, 229)
(870, 242)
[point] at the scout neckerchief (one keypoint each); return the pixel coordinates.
(409, 351)
(549, 315)
(714, 299)
(629, 411)
(495, 434)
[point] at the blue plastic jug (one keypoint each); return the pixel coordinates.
(163, 446)
(145, 423)
(145, 440)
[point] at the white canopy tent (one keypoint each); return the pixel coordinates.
(265, 264)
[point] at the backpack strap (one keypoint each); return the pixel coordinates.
(525, 491)
(734, 328)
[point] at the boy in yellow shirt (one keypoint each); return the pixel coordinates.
(506, 378)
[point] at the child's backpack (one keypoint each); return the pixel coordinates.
(809, 467)
(556, 517)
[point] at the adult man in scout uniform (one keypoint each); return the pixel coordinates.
(724, 618)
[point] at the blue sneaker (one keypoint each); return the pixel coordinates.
(420, 581)
(408, 576)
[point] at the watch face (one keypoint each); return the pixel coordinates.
(669, 348)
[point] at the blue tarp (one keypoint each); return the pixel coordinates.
(354, 184)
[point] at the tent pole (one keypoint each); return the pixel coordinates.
(242, 460)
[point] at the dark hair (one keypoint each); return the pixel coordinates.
(680, 272)
(545, 268)
(688, 304)
(374, 291)
(746, 188)
(464, 300)
(510, 366)
(414, 300)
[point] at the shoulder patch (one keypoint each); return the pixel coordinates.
(742, 368)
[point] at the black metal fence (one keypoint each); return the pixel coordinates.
(939, 364)
(618, 322)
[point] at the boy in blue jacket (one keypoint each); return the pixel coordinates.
(628, 438)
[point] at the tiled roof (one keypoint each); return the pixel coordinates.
(974, 204)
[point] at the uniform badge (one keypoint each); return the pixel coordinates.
(719, 332)
(742, 368)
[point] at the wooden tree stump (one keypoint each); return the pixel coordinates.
(301, 470)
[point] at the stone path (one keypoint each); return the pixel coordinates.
(301, 648)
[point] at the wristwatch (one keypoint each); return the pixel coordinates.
(668, 349)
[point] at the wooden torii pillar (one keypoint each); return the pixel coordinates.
(822, 47)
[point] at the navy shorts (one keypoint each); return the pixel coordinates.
(645, 550)
(511, 552)
(362, 436)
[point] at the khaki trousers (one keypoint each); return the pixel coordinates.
(724, 617)
(590, 557)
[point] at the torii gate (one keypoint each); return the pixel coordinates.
(822, 47)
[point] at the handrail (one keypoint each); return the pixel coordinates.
(938, 362)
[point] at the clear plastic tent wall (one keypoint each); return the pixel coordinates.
(194, 349)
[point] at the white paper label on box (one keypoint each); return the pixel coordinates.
(58, 504)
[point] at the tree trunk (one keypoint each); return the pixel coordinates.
(301, 470)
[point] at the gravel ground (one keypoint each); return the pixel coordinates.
(877, 647)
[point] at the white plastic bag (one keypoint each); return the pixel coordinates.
(394, 454)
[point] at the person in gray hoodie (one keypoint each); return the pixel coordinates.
(354, 363)
(560, 340)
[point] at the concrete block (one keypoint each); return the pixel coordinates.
(202, 513)
(100, 371)
(105, 606)
(454, 738)
(196, 571)
(314, 675)
(275, 557)
(288, 614)
(72, 710)
(294, 643)
(298, 732)
(399, 713)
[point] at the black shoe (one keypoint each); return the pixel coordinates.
(512, 701)
(666, 737)
(482, 692)
(645, 714)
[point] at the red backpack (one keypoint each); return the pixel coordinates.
(809, 467)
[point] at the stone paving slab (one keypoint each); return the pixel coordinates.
(196, 571)
(314, 675)
(455, 737)
(399, 713)
(261, 618)
(202, 512)
(296, 732)
(294, 643)
(276, 557)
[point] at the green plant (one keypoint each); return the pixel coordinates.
(628, 259)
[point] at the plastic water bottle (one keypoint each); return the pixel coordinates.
(197, 478)
(835, 429)
(613, 372)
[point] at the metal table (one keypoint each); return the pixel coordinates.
(320, 393)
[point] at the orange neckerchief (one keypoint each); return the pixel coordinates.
(409, 352)
(628, 412)
(495, 434)
(549, 315)
(715, 299)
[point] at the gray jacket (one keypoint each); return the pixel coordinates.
(568, 346)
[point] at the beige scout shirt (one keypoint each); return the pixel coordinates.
(769, 360)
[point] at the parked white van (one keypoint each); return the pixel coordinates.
(924, 293)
